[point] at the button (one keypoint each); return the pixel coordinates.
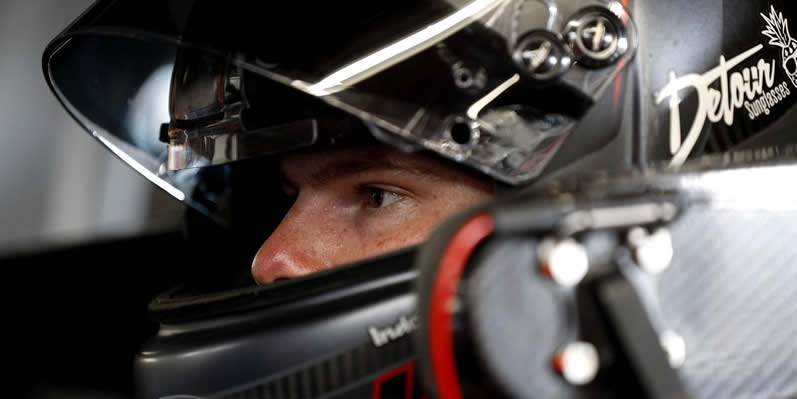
(577, 362)
(675, 347)
(565, 262)
(652, 252)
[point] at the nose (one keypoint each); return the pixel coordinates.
(298, 246)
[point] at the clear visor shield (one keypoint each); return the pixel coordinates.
(126, 106)
(497, 85)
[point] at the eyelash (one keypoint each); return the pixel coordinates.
(375, 196)
(378, 195)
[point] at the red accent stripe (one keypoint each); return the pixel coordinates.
(449, 272)
(557, 363)
(409, 379)
(220, 83)
(618, 81)
(625, 17)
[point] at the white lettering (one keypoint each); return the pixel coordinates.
(404, 326)
(717, 104)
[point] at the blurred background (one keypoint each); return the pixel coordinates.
(73, 222)
(59, 186)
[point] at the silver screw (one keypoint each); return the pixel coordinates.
(653, 252)
(563, 261)
(577, 362)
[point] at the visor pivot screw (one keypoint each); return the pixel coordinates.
(564, 261)
(596, 38)
(541, 56)
(674, 346)
(577, 362)
(652, 252)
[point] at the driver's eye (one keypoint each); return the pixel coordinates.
(379, 198)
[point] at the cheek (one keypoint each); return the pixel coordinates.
(410, 233)
(324, 226)
(414, 227)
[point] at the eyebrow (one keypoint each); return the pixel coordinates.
(352, 167)
(347, 168)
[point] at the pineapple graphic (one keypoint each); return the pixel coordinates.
(778, 33)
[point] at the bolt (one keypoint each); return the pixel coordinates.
(470, 78)
(653, 252)
(597, 38)
(675, 347)
(514, 160)
(577, 362)
(597, 34)
(563, 261)
(541, 56)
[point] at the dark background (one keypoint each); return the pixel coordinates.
(85, 241)
(78, 315)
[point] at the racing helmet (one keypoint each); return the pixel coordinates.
(201, 99)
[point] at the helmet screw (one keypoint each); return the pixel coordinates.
(652, 252)
(597, 38)
(564, 261)
(577, 362)
(469, 78)
(541, 56)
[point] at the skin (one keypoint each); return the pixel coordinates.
(356, 203)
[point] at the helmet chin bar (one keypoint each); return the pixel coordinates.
(650, 313)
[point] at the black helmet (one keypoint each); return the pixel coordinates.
(522, 92)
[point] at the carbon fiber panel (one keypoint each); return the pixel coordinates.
(731, 293)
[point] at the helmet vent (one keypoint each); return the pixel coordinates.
(461, 133)
(336, 374)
